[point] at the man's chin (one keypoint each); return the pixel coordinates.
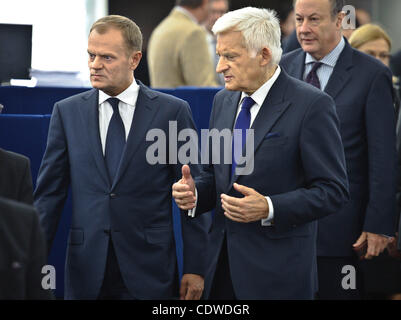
(308, 47)
(230, 87)
(96, 84)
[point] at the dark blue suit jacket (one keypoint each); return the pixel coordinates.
(362, 90)
(299, 163)
(136, 208)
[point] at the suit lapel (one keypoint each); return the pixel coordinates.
(270, 112)
(341, 73)
(145, 110)
(90, 117)
(297, 66)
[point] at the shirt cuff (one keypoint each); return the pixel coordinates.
(268, 221)
(191, 213)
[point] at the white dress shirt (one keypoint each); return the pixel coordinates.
(259, 97)
(126, 107)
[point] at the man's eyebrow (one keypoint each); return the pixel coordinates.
(105, 54)
(313, 14)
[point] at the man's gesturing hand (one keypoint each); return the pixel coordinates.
(184, 190)
(376, 243)
(252, 207)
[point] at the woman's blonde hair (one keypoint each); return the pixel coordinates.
(366, 33)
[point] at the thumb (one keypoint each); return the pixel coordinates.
(360, 240)
(186, 172)
(242, 189)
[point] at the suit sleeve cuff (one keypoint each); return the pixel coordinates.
(268, 221)
(191, 213)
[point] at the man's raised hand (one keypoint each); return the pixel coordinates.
(184, 190)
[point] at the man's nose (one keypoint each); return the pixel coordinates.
(303, 27)
(221, 65)
(96, 63)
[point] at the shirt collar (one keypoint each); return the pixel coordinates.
(260, 95)
(128, 96)
(187, 13)
(331, 58)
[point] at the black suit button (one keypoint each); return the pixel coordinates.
(106, 231)
(113, 195)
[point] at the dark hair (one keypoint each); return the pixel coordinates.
(189, 3)
(336, 6)
(284, 10)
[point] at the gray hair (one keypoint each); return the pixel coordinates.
(259, 27)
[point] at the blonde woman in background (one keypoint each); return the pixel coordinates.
(373, 40)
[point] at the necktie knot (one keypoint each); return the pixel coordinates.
(114, 103)
(247, 103)
(316, 65)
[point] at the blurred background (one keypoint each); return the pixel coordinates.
(60, 29)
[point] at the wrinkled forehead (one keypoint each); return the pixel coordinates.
(107, 40)
(230, 41)
(306, 8)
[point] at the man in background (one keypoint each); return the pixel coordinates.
(178, 53)
(361, 87)
(216, 9)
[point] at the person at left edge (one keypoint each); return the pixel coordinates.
(15, 177)
(121, 243)
(22, 253)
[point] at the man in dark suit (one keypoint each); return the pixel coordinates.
(22, 252)
(121, 243)
(15, 177)
(264, 228)
(362, 90)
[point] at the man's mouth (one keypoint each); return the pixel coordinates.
(307, 40)
(227, 78)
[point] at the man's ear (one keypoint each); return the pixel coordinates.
(266, 56)
(340, 18)
(134, 59)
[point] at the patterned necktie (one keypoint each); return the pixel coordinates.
(243, 122)
(115, 140)
(312, 77)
